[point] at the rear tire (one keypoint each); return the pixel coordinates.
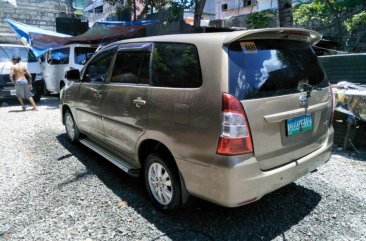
(37, 92)
(72, 130)
(162, 183)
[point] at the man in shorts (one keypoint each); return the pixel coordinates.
(22, 87)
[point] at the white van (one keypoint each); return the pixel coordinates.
(56, 61)
(29, 60)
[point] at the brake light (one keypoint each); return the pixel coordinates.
(331, 105)
(235, 137)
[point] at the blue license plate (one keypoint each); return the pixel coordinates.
(299, 124)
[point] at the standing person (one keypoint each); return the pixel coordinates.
(22, 87)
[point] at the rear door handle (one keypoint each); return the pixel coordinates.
(139, 102)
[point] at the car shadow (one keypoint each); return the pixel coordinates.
(265, 219)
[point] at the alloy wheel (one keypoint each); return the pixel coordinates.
(160, 183)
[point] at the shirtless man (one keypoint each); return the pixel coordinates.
(22, 90)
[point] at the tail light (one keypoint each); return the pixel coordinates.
(235, 137)
(331, 105)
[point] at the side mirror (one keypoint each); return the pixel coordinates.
(73, 75)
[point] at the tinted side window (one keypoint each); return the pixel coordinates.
(59, 56)
(83, 54)
(131, 67)
(265, 68)
(97, 69)
(176, 65)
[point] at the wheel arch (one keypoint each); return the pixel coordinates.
(149, 146)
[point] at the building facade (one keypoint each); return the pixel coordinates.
(230, 8)
(100, 10)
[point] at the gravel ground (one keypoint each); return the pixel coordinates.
(52, 190)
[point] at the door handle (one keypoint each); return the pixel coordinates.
(139, 102)
(97, 95)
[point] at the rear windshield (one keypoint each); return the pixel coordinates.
(266, 68)
(83, 54)
(26, 55)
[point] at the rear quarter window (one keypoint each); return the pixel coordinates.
(176, 65)
(266, 68)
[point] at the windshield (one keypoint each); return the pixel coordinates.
(265, 68)
(83, 54)
(26, 55)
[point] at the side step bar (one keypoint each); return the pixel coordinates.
(110, 157)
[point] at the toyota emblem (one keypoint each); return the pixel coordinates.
(303, 100)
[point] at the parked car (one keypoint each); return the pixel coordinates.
(226, 117)
(29, 60)
(56, 61)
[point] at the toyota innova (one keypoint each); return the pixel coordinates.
(226, 117)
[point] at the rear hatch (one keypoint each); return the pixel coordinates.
(285, 95)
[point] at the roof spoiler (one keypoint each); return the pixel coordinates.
(299, 34)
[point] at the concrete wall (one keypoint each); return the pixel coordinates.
(38, 13)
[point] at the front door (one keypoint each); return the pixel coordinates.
(124, 102)
(88, 113)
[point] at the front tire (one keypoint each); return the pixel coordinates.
(72, 130)
(162, 183)
(37, 91)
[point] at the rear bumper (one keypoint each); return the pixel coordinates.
(7, 92)
(235, 181)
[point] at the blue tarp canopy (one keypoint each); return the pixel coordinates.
(100, 33)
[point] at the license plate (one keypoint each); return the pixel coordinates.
(12, 92)
(299, 124)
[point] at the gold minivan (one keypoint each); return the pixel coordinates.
(226, 117)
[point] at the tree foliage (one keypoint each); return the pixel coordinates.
(175, 7)
(357, 21)
(337, 19)
(262, 19)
